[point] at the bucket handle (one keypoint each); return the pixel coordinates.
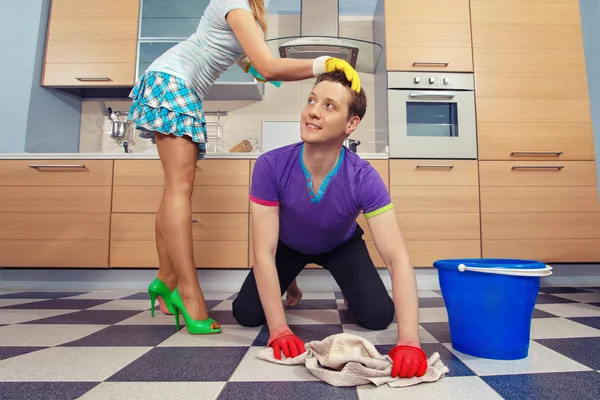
(509, 271)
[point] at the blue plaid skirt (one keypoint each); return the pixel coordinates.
(164, 103)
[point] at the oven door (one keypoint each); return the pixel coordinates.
(432, 124)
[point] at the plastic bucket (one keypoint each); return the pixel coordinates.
(490, 303)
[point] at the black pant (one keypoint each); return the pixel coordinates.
(351, 267)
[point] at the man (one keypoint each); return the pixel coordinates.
(305, 199)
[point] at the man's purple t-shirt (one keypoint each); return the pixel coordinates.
(315, 223)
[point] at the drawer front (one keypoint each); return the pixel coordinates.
(423, 253)
(545, 250)
(432, 226)
(458, 59)
(542, 199)
(524, 226)
(440, 226)
(91, 51)
(114, 9)
(55, 172)
(537, 173)
(433, 173)
(208, 173)
(525, 13)
(498, 141)
(555, 61)
(55, 199)
(439, 11)
(568, 37)
(19, 226)
(435, 199)
(207, 199)
(88, 74)
(54, 253)
(533, 110)
(207, 254)
(506, 85)
(105, 29)
(423, 34)
(206, 227)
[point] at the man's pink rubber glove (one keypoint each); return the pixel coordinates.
(408, 361)
(284, 340)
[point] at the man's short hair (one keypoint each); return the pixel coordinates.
(357, 105)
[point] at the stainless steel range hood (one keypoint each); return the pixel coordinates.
(319, 36)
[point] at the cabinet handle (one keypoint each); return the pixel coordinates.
(93, 78)
(449, 166)
(194, 221)
(56, 166)
(558, 167)
(536, 153)
(443, 64)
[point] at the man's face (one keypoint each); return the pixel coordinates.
(325, 116)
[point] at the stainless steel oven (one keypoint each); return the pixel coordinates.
(431, 115)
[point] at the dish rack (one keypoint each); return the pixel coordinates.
(215, 137)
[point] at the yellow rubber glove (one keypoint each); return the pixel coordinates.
(328, 64)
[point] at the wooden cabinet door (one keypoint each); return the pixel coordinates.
(428, 35)
(91, 43)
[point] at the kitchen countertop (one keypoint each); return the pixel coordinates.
(146, 156)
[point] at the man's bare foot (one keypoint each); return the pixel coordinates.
(293, 296)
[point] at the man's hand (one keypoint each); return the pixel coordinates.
(408, 361)
(284, 340)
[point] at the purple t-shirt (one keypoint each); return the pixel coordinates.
(315, 223)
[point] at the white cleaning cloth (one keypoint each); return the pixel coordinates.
(350, 360)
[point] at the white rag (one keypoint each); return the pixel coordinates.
(350, 360)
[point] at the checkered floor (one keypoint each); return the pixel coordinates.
(105, 345)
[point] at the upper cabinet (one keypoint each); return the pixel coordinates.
(428, 35)
(91, 43)
(107, 44)
(531, 87)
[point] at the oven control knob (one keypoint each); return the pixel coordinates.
(417, 79)
(446, 81)
(432, 80)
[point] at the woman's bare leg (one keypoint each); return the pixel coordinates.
(178, 157)
(166, 270)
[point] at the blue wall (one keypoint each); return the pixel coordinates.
(19, 24)
(590, 20)
(30, 114)
(54, 119)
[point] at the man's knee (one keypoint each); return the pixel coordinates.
(378, 318)
(247, 316)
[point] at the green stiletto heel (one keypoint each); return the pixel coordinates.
(159, 288)
(195, 327)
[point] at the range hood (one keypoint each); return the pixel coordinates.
(319, 36)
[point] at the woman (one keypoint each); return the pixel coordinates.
(167, 108)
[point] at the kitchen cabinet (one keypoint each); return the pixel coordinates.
(530, 81)
(428, 35)
(437, 206)
(219, 206)
(540, 210)
(56, 213)
(91, 43)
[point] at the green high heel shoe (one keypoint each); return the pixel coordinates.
(159, 288)
(195, 327)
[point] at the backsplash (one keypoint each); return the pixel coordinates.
(244, 119)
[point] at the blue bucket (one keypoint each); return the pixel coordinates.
(490, 304)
